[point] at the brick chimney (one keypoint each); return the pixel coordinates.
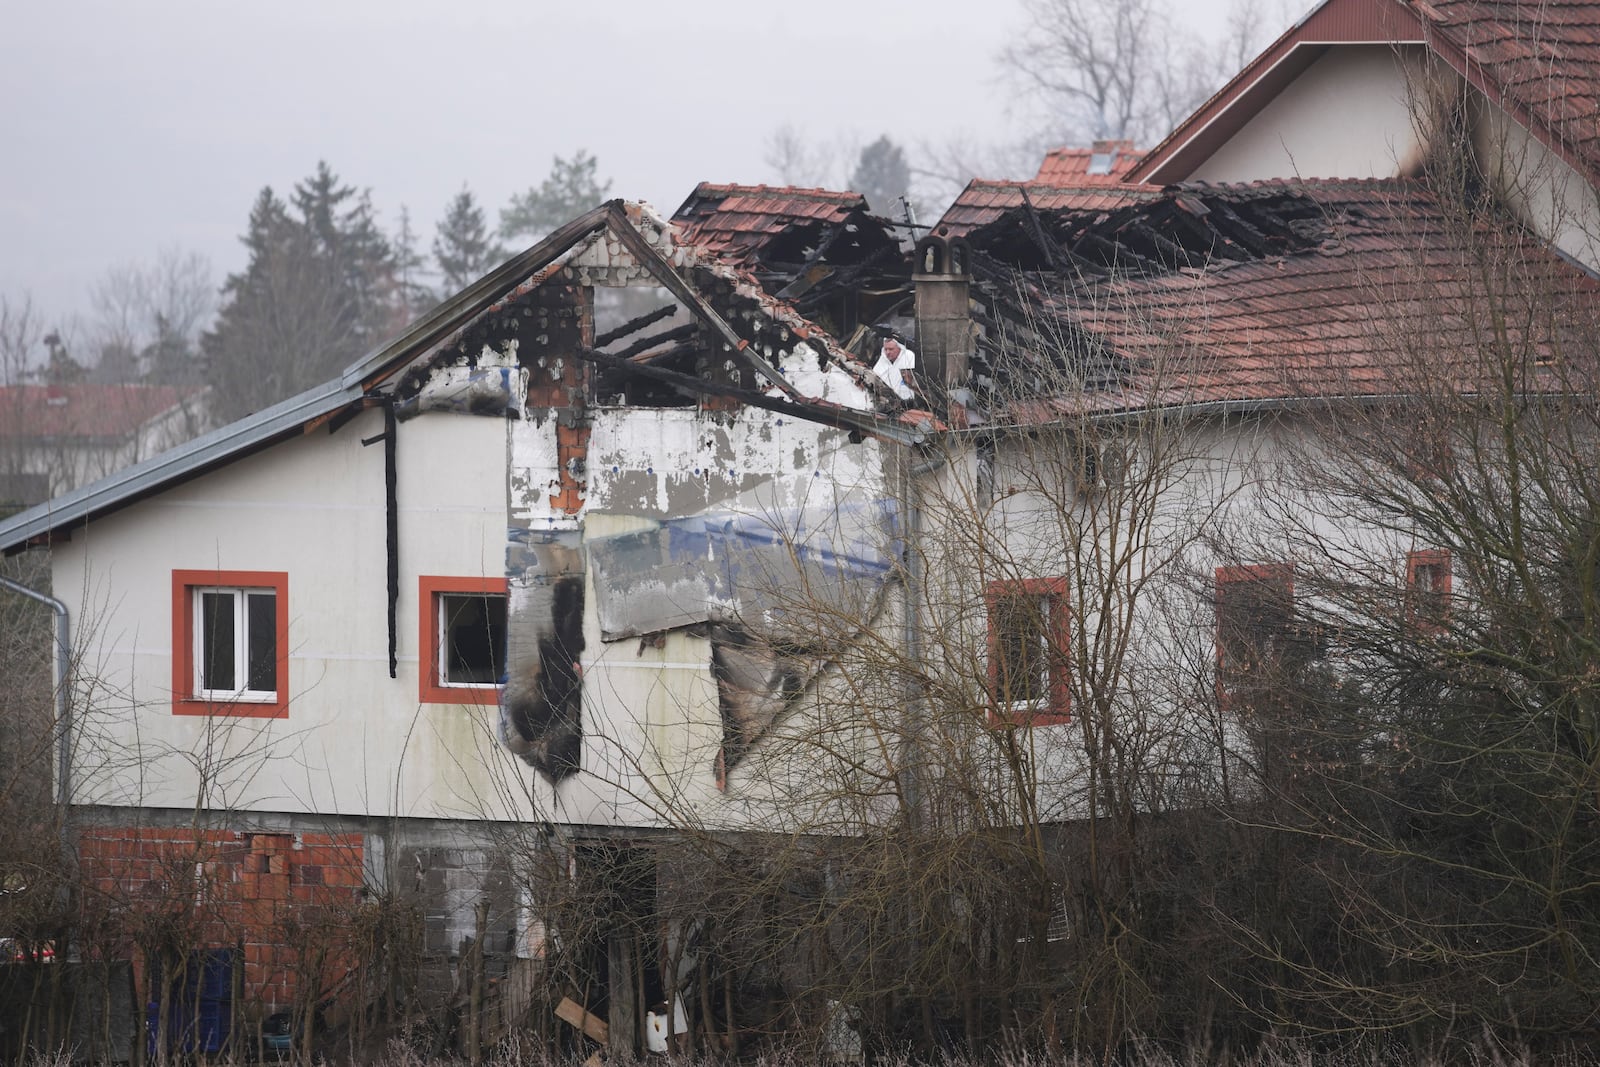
(946, 334)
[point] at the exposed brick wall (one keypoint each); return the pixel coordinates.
(280, 896)
(558, 381)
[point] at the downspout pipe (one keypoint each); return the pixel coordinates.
(911, 754)
(58, 677)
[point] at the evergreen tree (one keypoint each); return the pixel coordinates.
(318, 292)
(572, 188)
(462, 247)
(882, 176)
(411, 294)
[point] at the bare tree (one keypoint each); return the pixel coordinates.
(1113, 71)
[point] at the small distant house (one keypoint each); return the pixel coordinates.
(55, 438)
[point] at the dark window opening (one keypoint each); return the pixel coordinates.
(1256, 634)
(472, 627)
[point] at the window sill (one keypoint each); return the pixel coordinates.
(236, 708)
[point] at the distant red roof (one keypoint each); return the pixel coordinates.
(981, 202)
(84, 411)
(1104, 163)
(738, 220)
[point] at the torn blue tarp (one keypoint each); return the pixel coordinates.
(774, 572)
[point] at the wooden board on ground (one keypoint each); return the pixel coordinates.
(571, 1012)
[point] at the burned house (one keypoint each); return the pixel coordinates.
(625, 543)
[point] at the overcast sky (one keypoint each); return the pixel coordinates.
(130, 127)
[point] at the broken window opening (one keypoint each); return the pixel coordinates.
(1028, 649)
(473, 627)
(664, 336)
(462, 639)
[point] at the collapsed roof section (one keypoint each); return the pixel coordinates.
(982, 202)
(700, 327)
(1256, 293)
(821, 251)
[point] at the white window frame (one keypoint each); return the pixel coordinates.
(241, 644)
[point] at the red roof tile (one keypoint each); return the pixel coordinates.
(1542, 55)
(1104, 163)
(85, 411)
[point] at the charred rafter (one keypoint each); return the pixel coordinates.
(655, 340)
(634, 325)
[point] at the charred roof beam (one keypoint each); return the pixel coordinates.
(634, 325)
(842, 418)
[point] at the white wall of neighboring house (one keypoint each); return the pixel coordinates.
(1359, 112)
(1550, 196)
(1348, 115)
(354, 741)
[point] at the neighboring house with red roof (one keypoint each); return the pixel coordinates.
(54, 438)
(1102, 163)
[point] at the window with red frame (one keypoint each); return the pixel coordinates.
(462, 639)
(1428, 575)
(1028, 642)
(1256, 631)
(230, 643)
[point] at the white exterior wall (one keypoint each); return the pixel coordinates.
(1552, 198)
(1227, 483)
(1348, 115)
(355, 741)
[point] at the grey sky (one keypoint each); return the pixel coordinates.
(129, 127)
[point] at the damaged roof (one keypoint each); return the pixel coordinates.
(822, 252)
(1264, 292)
(690, 270)
(982, 202)
(738, 222)
(1069, 179)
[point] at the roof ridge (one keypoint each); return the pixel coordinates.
(788, 191)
